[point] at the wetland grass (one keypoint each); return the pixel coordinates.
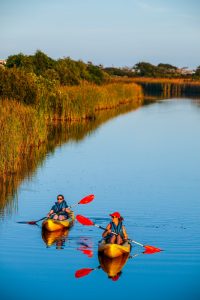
(25, 127)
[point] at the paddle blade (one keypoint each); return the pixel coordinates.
(84, 221)
(82, 272)
(86, 199)
(27, 222)
(151, 249)
(85, 251)
(32, 223)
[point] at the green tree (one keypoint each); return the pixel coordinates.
(145, 69)
(19, 85)
(96, 75)
(20, 61)
(68, 71)
(42, 62)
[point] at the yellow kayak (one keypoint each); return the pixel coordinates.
(53, 225)
(114, 250)
(113, 266)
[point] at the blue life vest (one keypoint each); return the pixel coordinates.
(117, 228)
(58, 207)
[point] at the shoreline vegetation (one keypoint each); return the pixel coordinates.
(46, 102)
(28, 158)
(36, 91)
(26, 126)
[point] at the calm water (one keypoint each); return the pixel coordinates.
(145, 164)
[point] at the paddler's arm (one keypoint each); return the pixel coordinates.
(107, 231)
(125, 233)
(50, 213)
(67, 209)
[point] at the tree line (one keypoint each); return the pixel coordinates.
(145, 69)
(28, 77)
(65, 70)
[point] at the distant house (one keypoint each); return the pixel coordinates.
(2, 62)
(184, 71)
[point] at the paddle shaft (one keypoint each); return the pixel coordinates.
(40, 219)
(132, 241)
(98, 226)
(73, 205)
(85, 200)
(85, 221)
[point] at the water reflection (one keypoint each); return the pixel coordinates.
(58, 134)
(86, 246)
(113, 266)
(57, 238)
(164, 90)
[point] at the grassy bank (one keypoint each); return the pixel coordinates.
(25, 127)
(76, 103)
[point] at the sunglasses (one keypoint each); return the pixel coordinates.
(59, 198)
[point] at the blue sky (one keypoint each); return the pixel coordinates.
(108, 32)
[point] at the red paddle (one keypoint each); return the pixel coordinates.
(87, 252)
(83, 272)
(85, 221)
(85, 200)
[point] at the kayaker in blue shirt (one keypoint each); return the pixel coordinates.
(59, 210)
(116, 226)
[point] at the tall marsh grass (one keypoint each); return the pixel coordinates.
(23, 127)
(74, 103)
(20, 128)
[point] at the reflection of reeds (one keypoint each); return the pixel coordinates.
(169, 87)
(28, 133)
(165, 87)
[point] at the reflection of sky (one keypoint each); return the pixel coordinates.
(108, 32)
(144, 164)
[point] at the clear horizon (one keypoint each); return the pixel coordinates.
(112, 33)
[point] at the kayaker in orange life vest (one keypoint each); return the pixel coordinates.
(59, 210)
(116, 226)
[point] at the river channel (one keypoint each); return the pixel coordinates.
(144, 164)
